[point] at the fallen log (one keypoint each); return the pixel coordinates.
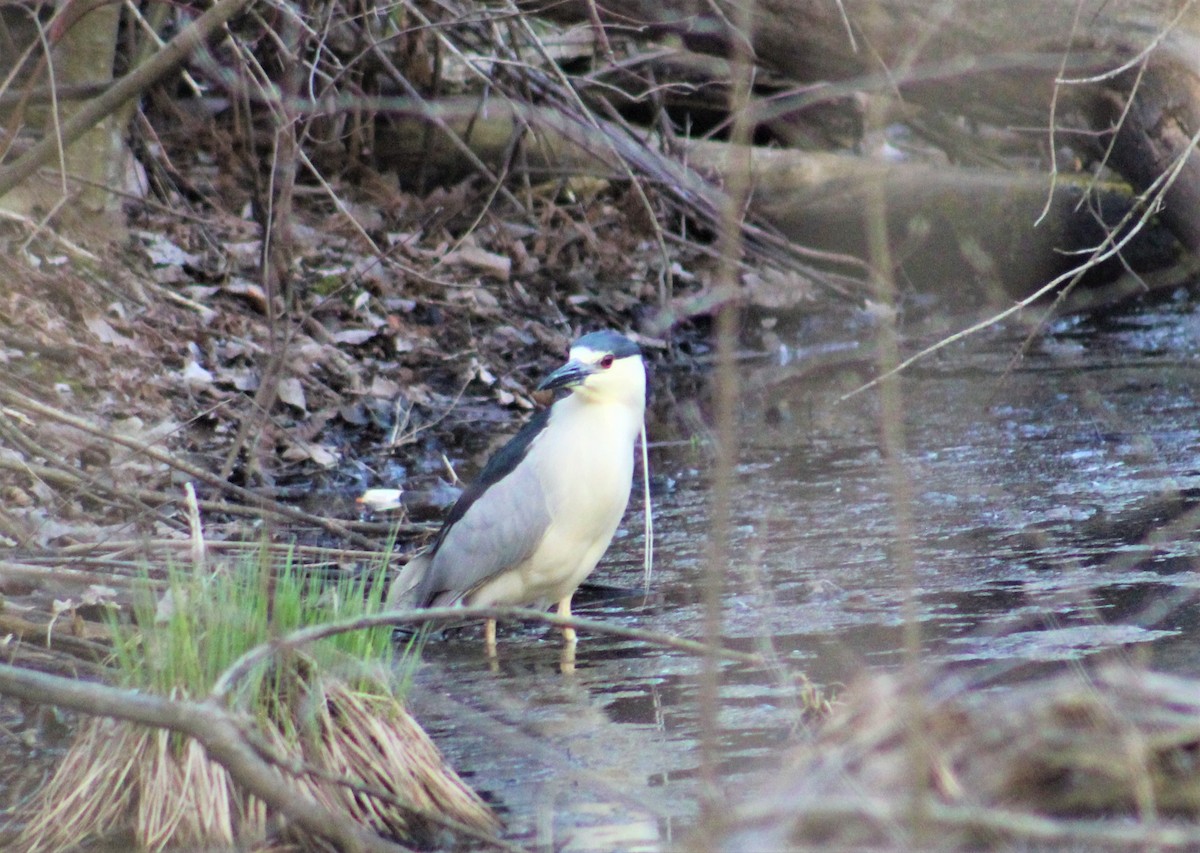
(1120, 79)
(978, 230)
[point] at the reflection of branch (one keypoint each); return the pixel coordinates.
(214, 727)
(125, 89)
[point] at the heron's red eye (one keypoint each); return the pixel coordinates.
(607, 361)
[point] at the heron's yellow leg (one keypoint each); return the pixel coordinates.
(564, 610)
(489, 637)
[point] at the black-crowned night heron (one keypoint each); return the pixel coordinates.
(547, 504)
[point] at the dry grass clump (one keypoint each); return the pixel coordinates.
(1102, 759)
(120, 780)
(327, 718)
(371, 739)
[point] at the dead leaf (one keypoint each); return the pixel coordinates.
(485, 298)
(135, 429)
(247, 290)
(246, 252)
(489, 263)
(163, 253)
(774, 289)
(58, 608)
(291, 392)
(100, 594)
(480, 372)
(383, 387)
(244, 379)
(106, 334)
(300, 451)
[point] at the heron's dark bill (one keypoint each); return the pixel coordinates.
(571, 373)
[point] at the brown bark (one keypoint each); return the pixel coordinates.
(1162, 119)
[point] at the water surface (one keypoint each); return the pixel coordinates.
(1049, 495)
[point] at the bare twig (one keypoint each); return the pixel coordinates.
(255, 502)
(36, 632)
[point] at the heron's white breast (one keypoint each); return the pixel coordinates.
(585, 456)
(584, 461)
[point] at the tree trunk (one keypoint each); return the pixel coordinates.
(82, 47)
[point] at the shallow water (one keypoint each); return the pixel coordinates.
(1045, 492)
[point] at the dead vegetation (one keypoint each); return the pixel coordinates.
(361, 758)
(354, 232)
(222, 739)
(366, 224)
(1099, 760)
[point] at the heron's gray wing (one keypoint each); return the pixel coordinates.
(498, 530)
(503, 462)
(405, 587)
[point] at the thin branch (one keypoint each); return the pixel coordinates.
(243, 665)
(255, 501)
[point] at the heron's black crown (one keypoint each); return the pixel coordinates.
(608, 341)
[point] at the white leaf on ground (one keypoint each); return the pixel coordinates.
(353, 337)
(380, 499)
(163, 253)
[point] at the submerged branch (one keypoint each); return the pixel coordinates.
(433, 615)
